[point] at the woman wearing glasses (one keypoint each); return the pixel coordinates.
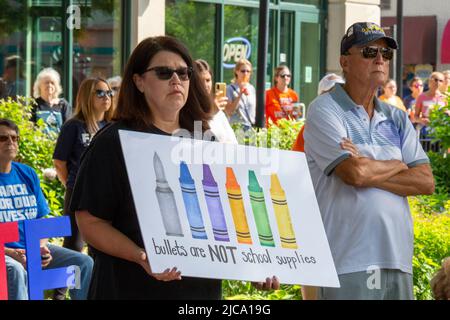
(219, 123)
(241, 94)
(280, 99)
(54, 111)
(93, 111)
(390, 95)
(416, 87)
(160, 94)
(428, 100)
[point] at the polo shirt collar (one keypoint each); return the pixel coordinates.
(346, 103)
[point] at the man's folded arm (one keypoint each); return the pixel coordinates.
(414, 181)
(364, 172)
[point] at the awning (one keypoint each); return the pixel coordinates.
(445, 46)
(419, 38)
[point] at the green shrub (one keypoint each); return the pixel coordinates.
(243, 290)
(441, 171)
(431, 246)
(35, 148)
(281, 137)
(440, 122)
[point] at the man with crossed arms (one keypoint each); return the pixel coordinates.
(365, 159)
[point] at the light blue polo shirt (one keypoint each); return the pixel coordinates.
(365, 227)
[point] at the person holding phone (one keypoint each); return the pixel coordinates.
(241, 107)
(219, 123)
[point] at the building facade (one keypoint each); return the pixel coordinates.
(81, 38)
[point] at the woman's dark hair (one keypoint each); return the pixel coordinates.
(414, 80)
(203, 66)
(132, 106)
(10, 124)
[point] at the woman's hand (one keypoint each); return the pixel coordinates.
(244, 90)
(167, 275)
(220, 101)
(20, 256)
(270, 284)
(348, 145)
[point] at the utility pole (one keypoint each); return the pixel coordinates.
(399, 62)
(263, 39)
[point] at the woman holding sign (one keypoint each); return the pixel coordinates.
(160, 94)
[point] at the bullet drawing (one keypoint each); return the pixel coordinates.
(191, 203)
(258, 203)
(214, 205)
(237, 208)
(282, 214)
(166, 200)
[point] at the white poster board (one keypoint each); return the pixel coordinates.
(177, 216)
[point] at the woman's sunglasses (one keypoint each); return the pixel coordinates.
(4, 138)
(103, 93)
(285, 75)
(166, 73)
(438, 80)
(371, 52)
(418, 85)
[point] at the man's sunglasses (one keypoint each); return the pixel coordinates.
(14, 138)
(103, 93)
(166, 73)
(372, 52)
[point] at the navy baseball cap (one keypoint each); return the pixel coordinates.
(361, 33)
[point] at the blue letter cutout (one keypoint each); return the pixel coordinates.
(38, 279)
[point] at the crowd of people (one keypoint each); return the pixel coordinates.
(362, 147)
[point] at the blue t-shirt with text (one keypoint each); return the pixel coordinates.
(21, 198)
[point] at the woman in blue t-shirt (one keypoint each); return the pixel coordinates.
(93, 111)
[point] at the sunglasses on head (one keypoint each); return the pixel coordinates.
(371, 52)
(6, 137)
(103, 93)
(285, 75)
(166, 73)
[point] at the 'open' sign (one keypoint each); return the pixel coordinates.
(234, 50)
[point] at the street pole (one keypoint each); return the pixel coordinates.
(263, 39)
(67, 43)
(399, 62)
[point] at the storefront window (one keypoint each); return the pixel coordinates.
(317, 3)
(31, 32)
(194, 24)
(241, 39)
(97, 45)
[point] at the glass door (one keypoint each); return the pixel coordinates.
(309, 60)
(300, 49)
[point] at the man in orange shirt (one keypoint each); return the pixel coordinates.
(280, 99)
